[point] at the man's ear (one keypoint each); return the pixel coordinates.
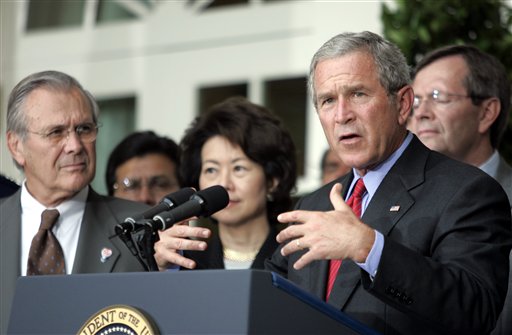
(404, 99)
(489, 112)
(16, 147)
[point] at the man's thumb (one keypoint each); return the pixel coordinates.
(336, 196)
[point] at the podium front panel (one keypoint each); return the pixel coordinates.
(177, 302)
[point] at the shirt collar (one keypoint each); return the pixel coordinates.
(73, 205)
(374, 177)
(491, 165)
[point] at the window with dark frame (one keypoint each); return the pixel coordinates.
(211, 95)
(117, 120)
(287, 97)
(48, 14)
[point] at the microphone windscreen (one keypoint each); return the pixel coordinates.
(181, 196)
(215, 198)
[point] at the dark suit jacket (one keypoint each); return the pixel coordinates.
(504, 324)
(96, 232)
(504, 177)
(7, 187)
(444, 264)
(213, 256)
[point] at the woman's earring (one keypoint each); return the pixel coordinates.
(270, 197)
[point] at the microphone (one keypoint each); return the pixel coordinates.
(203, 203)
(167, 203)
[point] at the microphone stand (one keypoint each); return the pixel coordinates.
(147, 247)
(128, 239)
(141, 243)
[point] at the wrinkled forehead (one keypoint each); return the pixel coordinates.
(348, 72)
(48, 105)
(354, 63)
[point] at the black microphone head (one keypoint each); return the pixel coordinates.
(179, 197)
(167, 203)
(215, 198)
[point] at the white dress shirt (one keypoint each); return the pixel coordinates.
(491, 165)
(372, 180)
(66, 230)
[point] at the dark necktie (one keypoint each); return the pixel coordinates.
(45, 256)
(355, 201)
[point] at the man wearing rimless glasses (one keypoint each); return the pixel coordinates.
(461, 105)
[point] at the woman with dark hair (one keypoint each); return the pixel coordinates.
(244, 148)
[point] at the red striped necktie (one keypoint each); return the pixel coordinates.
(355, 202)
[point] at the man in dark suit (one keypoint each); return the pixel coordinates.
(461, 107)
(429, 254)
(52, 124)
(7, 186)
(504, 324)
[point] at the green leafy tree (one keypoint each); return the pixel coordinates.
(418, 26)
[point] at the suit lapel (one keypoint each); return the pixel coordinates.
(10, 238)
(387, 208)
(504, 177)
(391, 201)
(10, 253)
(346, 282)
(315, 275)
(94, 238)
(10, 235)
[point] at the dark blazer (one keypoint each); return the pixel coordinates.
(96, 232)
(213, 256)
(504, 324)
(7, 187)
(504, 177)
(444, 264)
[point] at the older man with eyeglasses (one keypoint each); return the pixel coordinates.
(52, 125)
(461, 106)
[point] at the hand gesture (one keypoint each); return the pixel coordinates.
(168, 250)
(337, 234)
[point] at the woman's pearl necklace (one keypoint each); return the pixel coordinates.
(239, 256)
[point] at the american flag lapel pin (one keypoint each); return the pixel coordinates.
(105, 254)
(395, 208)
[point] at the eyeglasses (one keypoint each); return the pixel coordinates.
(86, 132)
(441, 99)
(155, 184)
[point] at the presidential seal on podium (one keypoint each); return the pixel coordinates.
(118, 320)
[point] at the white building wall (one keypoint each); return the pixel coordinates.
(165, 57)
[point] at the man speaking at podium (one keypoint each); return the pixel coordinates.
(410, 241)
(55, 223)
